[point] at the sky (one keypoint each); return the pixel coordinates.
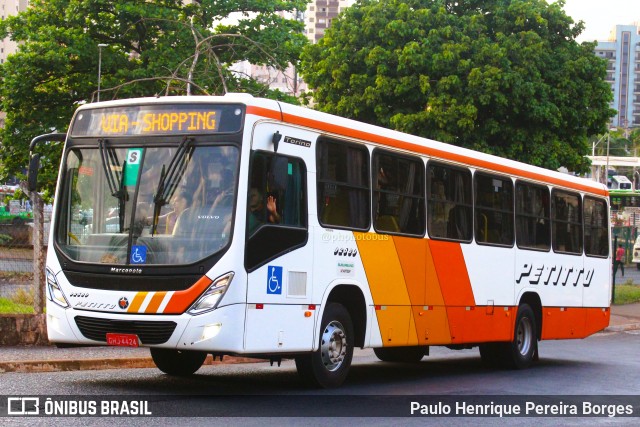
(601, 16)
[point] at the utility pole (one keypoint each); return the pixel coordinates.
(100, 46)
(39, 254)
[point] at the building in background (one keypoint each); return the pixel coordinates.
(8, 46)
(622, 51)
(317, 18)
(9, 8)
(319, 15)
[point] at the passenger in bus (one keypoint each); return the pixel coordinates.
(257, 210)
(225, 191)
(180, 202)
(210, 184)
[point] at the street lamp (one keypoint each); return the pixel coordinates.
(593, 152)
(606, 171)
(100, 46)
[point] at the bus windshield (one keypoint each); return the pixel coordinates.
(139, 205)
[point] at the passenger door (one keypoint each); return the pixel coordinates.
(279, 251)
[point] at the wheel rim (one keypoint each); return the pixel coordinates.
(524, 336)
(333, 346)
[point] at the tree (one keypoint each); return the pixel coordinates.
(501, 76)
(158, 44)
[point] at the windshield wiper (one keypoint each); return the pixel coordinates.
(115, 178)
(169, 179)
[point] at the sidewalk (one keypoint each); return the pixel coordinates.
(624, 318)
(52, 359)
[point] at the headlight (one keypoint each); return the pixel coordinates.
(54, 293)
(212, 296)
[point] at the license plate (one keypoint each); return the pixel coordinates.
(123, 340)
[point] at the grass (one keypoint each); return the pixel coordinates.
(627, 293)
(21, 302)
(7, 306)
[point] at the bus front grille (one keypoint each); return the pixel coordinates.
(149, 332)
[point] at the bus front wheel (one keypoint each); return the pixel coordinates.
(329, 365)
(177, 362)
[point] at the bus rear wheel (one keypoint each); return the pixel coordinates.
(519, 353)
(401, 354)
(329, 365)
(179, 363)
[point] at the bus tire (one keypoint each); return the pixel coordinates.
(329, 365)
(519, 353)
(177, 362)
(412, 354)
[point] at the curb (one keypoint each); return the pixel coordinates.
(29, 366)
(623, 328)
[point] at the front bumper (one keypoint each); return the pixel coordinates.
(221, 330)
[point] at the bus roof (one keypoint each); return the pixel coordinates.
(341, 127)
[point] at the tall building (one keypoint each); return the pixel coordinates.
(622, 52)
(319, 15)
(9, 8)
(8, 46)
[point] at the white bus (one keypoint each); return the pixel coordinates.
(241, 226)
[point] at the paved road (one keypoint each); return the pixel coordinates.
(602, 365)
(630, 272)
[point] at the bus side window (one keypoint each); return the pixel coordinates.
(343, 185)
(533, 225)
(494, 209)
(596, 231)
(398, 194)
(566, 220)
(276, 207)
(449, 203)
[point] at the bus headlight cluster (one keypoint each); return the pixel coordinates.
(212, 296)
(54, 293)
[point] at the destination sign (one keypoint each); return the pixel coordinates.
(157, 120)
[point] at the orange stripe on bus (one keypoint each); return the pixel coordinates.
(452, 273)
(264, 112)
(137, 302)
(416, 148)
(383, 269)
(412, 254)
(388, 283)
(433, 293)
(182, 300)
(155, 302)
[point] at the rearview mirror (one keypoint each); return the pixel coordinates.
(32, 173)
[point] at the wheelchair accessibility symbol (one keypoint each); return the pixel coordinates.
(138, 254)
(274, 280)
